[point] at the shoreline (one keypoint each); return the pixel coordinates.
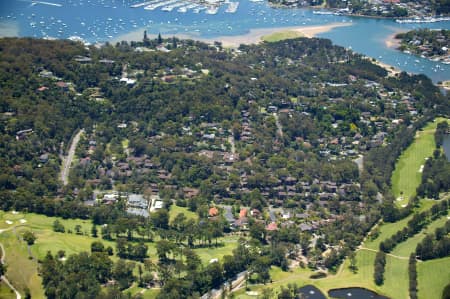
(444, 85)
(392, 42)
(392, 70)
(254, 36)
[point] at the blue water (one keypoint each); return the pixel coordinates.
(355, 293)
(103, 20)
(446, 146)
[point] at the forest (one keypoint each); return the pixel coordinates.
(272, 133)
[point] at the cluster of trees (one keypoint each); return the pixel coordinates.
(446, 292)
(435, 245)
(442, 129)
(127, 250)
(412, 269)
(200, 279)
(82, 275)
(418, 222)
(435, 178)
(379, 268)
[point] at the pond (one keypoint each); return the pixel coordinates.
(446, 145)
(354, 293)
(311, 292)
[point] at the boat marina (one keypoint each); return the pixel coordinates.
(210, 7)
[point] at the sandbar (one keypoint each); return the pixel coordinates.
(254, 36)
(9, 29)
(391, 41)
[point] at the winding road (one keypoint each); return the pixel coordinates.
(2, 260)
(69, 158)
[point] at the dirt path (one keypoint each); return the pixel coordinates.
(2, 260)
(277, 122)
(68, 159)
(360, 162)
(389, 254)
(231, 141)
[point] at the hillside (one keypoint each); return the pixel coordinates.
(237, 159)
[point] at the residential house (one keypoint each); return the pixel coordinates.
(137, 205)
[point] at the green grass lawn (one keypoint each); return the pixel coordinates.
(175, 210)
(208, 253)
(362, 278)
(13, 219)
(433, 276)
(396, 279)
(406, 176)
(6, 292)
(278, 36)
(146, 293)
(21, 272)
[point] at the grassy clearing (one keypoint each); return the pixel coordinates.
(175, 210)
(206, 254)
(407, 175)
(146, 293)
(278, 36)
(433, 276)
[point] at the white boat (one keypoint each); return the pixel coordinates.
(422, 20)
(198, 9)
(212, 10)
(186, 8)
(48, 3)
(171, 7)
(319, 12)
(232, 7)
(159, 4)
(141, 4)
